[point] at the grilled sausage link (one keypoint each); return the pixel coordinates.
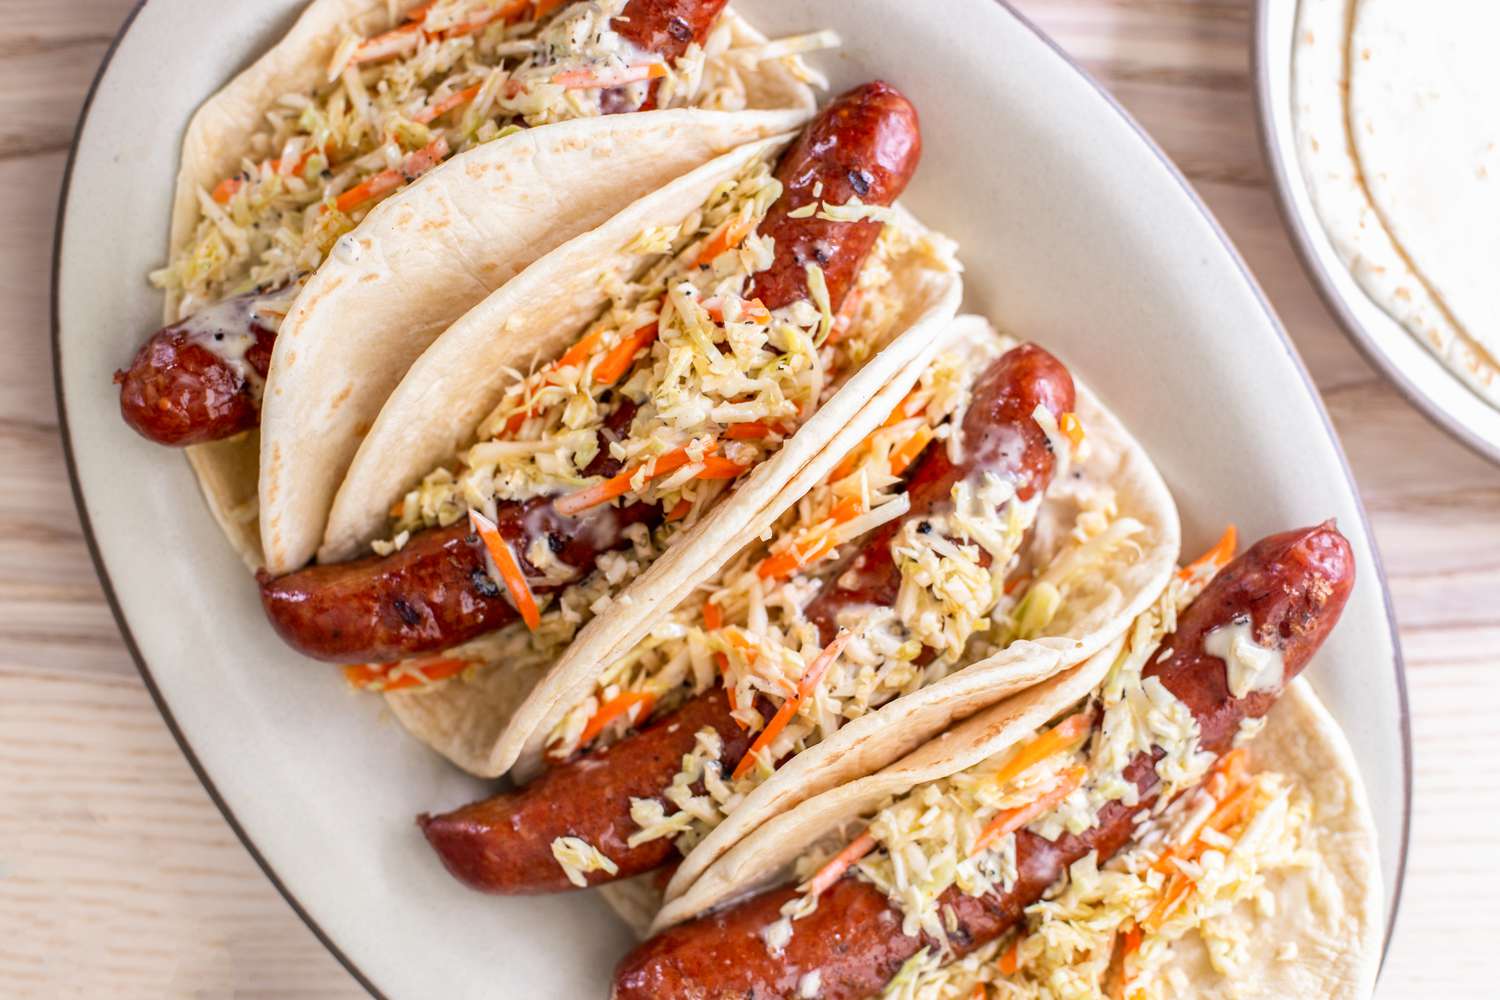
(1000, 436)
(570, 793)
(504, 844)
(865, 145)
(435, 592)
(199, 379)
(1292, 587)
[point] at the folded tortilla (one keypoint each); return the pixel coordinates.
(419, 259)
(479, 721)
(1324, 939)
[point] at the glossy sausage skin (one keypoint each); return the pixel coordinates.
(666, 27)
(999, 436)
(864, 144)
(435, 592)
(504, 844)
(1293, 586)
(178, 391)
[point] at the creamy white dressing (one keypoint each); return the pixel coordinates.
(1251, 666)
(227, 329)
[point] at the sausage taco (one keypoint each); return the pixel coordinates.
(1176, 816)
(639, 392)
(294, 219)
(961, 540)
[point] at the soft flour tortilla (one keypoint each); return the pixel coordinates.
(1373, 54)
(424, 256)
(1330, 909)
(473, 719)
(438, 406)
(418, 260)
(1424, 114)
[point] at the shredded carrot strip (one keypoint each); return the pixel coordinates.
(1234, 766)
(789, 561)
(579, 501)
(1176, 890)
(613, 709)
(616, 361)
(575, 79)
(396, 42)
(1010, 961)
(1129, 945)
(402, 40)
(1010, 820)
(758, 430)
(377, 676)
(718, 467)
(510, 570)
(978, 993)
(545, 7)
(730, 234)
(1070, 425)
(837, 865)
(607, 372)
(508, 12)
(679, 510)
(754, 310)
(783, 716)
(229, 186)
(903, 456)
(383, 183)
(797, 556)
(713, 619)
(845, 317)
(1055, 740)
(909, 407)
(1228, 783)
(573, 357)
(1216, 557)
(441, 107)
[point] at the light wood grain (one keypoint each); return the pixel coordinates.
(119, 878)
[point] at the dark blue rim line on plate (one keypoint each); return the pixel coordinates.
(213, 792)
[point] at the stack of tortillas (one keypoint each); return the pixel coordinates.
(1397, 113)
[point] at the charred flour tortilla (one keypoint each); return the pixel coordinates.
(1394, 110)
(418, 259)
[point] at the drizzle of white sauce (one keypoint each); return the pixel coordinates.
(227, 329)
(1251, 667)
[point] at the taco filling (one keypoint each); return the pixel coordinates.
(453, 75)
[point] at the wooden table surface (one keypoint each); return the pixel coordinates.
(118, 877)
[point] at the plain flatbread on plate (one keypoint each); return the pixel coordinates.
(1386, 128)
